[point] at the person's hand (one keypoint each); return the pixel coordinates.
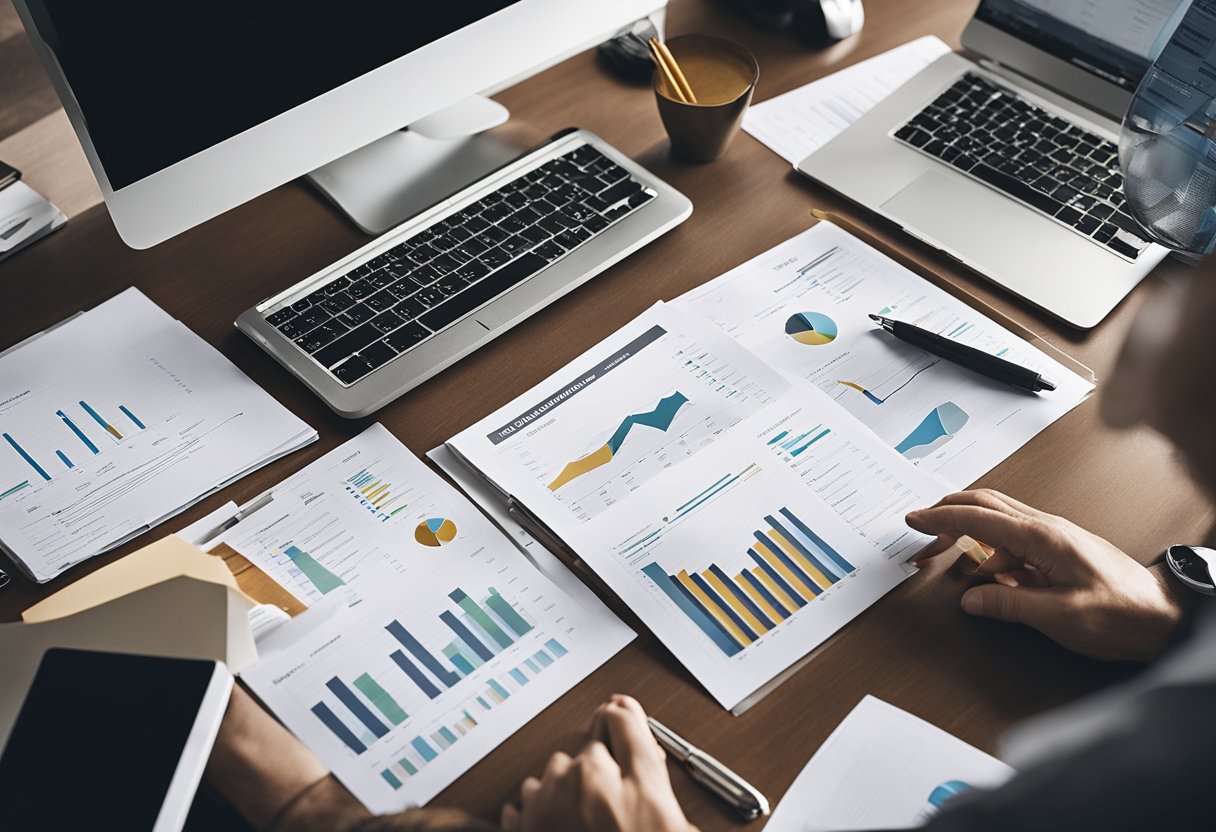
(1071, 585)
(618, 783)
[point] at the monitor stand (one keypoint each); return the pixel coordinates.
(399, 176)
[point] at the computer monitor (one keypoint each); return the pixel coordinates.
(186, 110)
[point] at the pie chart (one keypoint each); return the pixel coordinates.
(435, 531)
(813, 329)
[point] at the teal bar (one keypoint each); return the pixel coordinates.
(518, 676)
(543, 657)
(447, 734)
(391, 779)
(500, 690)
(556, 647)
(507, 613)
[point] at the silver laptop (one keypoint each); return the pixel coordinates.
(991, 157)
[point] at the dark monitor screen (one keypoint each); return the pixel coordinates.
(160, 80)
(1112, 39)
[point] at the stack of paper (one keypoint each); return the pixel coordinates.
(883, 768)
(429, 638)
(737, 465)
(116, 420)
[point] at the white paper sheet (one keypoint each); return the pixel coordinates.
(803, 307)
(117, 420)
(650, 457)
(797, 123)
(882, 768)
(430, 638)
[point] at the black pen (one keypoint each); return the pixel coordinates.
(978, 361)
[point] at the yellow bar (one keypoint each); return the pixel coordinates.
(114, 432)
(713, 609)
(759, 600)
(723, 590)
(373, 496)
(797, 557)
(367, 489)
(793, 580)
(777, 592)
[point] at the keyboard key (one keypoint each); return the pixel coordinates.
(283, 315)
(407, 336)
(381, 301)
(620, 191)
(640, 198)
(450, 285)
(430, 296)
(535, 234)
(1015, 188)
(347, 344)
(378, 354)
(1087, 224)
(387, 322)
(1067, 215)
(424, 276)
(550, 251)
(483, 291)
(335, 286)
(362, 289)
(493, 236)
(313, 317)
(337, 303)
(594, 225)
(516, 244)
(357, 314)
(320, 336)
(1120, 246)
(290, 329)
(410, 308)
(1104, 233)
(473, 270)
(352, 370)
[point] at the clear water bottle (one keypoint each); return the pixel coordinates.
(1167, 147)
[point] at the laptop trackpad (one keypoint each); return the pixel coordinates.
(935, 207)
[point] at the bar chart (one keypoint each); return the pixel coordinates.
(43, 468)
(376, 494)
(795, 444)
(792, 566)
(367, 708)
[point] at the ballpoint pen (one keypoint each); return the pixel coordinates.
(719, 780)
(978, 361)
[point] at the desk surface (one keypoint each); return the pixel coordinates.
(915, 648)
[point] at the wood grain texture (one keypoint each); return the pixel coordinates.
(915, 648)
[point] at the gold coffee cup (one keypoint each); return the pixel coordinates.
(722, 76)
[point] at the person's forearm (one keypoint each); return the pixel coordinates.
(256, 764)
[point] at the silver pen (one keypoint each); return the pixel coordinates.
(241, 513)
(719, 780)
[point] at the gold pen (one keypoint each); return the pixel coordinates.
(719, 780)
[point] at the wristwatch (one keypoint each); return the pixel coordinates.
(1194, 567)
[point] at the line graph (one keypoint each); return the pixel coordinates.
(876, 399)
(660, 418)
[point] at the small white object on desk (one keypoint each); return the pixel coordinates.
(25, 217)
(797, 123)
(883, 768)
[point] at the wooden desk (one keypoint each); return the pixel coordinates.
(915, 648)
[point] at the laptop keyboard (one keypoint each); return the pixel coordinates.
(989, 132)
(365, 318)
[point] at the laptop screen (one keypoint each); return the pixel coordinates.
(1113, 39)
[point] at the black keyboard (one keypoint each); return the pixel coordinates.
(361, 320)
(989, 132)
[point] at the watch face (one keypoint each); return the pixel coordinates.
(1194, 567)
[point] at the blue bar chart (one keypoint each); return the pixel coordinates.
(797, 444)
(48, 461)
(792, 566)
(367, 707)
